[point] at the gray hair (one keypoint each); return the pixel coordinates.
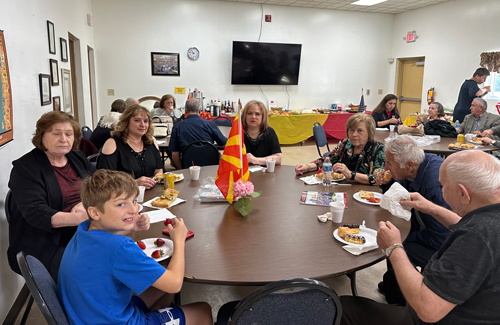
(440, 108)
(110, 119)
(405, 149)
(480, 177)
(481, 102)
(192, 106)
(131, 101)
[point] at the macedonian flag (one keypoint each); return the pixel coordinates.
(234, 164)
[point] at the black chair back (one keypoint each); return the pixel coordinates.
(201, 153)
(320, 138)
(43, 289)
(223, 121)
(86, 132)
(293, 301)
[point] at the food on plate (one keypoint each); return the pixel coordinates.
(373, 200)
(337, 176)
(159, 177)
(366, 194)
(355, 239)
(159, 242)
(344, 231)
(387, 176)
(157, 253)
(451, 145)
(457, 144)
(167, 197)
(477, 140)
(167, 222)
(467, 145)
(141, 244)
(351, 225)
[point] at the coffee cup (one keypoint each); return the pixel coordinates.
(337, 210)
(140, 198)
(270, 163)
(391, 128)
(195, 172)
(469, 137)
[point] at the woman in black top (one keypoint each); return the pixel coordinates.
(132, 148)
(261, 141)
(45, 183)
(386, 113)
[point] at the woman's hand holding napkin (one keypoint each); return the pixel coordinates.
(391, 198)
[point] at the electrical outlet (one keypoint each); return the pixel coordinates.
(367, 92)
(380, 91)
(111, 92)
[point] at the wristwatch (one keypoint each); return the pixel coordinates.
(494, 141)
(353, 175)
(388, 250)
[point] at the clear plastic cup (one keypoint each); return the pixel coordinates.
(140, 198)
(270, 164)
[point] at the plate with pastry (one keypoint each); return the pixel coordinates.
(161, 176)
(167, 199)
(353, 234)
(461, 146)
(368, 197)
(476, 140)
(336, 177)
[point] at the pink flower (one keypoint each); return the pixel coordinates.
(242, 189)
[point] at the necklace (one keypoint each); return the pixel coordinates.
(138, 146)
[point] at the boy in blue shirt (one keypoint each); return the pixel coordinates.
(101, 267)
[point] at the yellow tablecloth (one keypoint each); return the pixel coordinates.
(295, 128)
(410, 120)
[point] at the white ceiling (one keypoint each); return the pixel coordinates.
(387, 7)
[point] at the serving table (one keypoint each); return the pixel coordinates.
(280, 239)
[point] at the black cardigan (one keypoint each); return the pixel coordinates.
(36, 198)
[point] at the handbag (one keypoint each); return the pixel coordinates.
(417, 131)
(162, 126)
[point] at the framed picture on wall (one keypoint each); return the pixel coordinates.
(66, 88)
(54, 72)
(56, 102)
(64, 50)
(52, 37)
(165, 64)
(45, 96)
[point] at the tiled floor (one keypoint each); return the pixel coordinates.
(217, 295)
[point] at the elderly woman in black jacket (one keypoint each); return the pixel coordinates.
(45, 184)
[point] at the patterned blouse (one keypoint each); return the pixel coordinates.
(370, 161)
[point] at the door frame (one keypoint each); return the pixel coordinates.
(399, 80)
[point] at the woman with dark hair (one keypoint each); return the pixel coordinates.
(386, 113)
(167, 106)
(45, 184)
(261, 141)
(132, 148)
(435, 112)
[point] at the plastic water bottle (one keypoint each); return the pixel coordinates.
(327, 172)
(457, 125)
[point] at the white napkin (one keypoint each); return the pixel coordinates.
(357, 250)
(159, 215)
(160, 141)
(382, 129)
(176, 201)
(325, 217)
(390, 201)
(311, 180)
(255, 168)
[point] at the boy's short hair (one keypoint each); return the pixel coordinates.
(481, 72)
(105, 184)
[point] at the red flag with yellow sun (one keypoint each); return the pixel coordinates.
(234, 163)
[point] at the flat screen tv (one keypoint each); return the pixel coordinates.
(265, 63)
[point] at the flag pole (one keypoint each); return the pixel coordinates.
(242, 139)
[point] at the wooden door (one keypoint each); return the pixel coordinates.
(410, 80)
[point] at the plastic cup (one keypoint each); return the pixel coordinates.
(270, 163)
(195, 172)
(391, 128)
(140, 198)
(337, 210)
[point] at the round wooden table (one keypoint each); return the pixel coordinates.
(440, 148)
(280, 239)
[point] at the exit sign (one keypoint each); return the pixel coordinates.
(411, 37)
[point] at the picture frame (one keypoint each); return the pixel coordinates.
(54, 72)
(52, 37)
(56, 103)
(66, 88)
(64, 50)
(165, 64)
(45, 91)
(7, 121)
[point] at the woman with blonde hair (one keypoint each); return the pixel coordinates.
(359, 156)
(261, 141)
(132, 148)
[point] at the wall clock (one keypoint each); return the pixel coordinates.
(193, 53)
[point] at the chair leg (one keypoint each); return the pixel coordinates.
(177, 299)
(27, 311)
(352, 276)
